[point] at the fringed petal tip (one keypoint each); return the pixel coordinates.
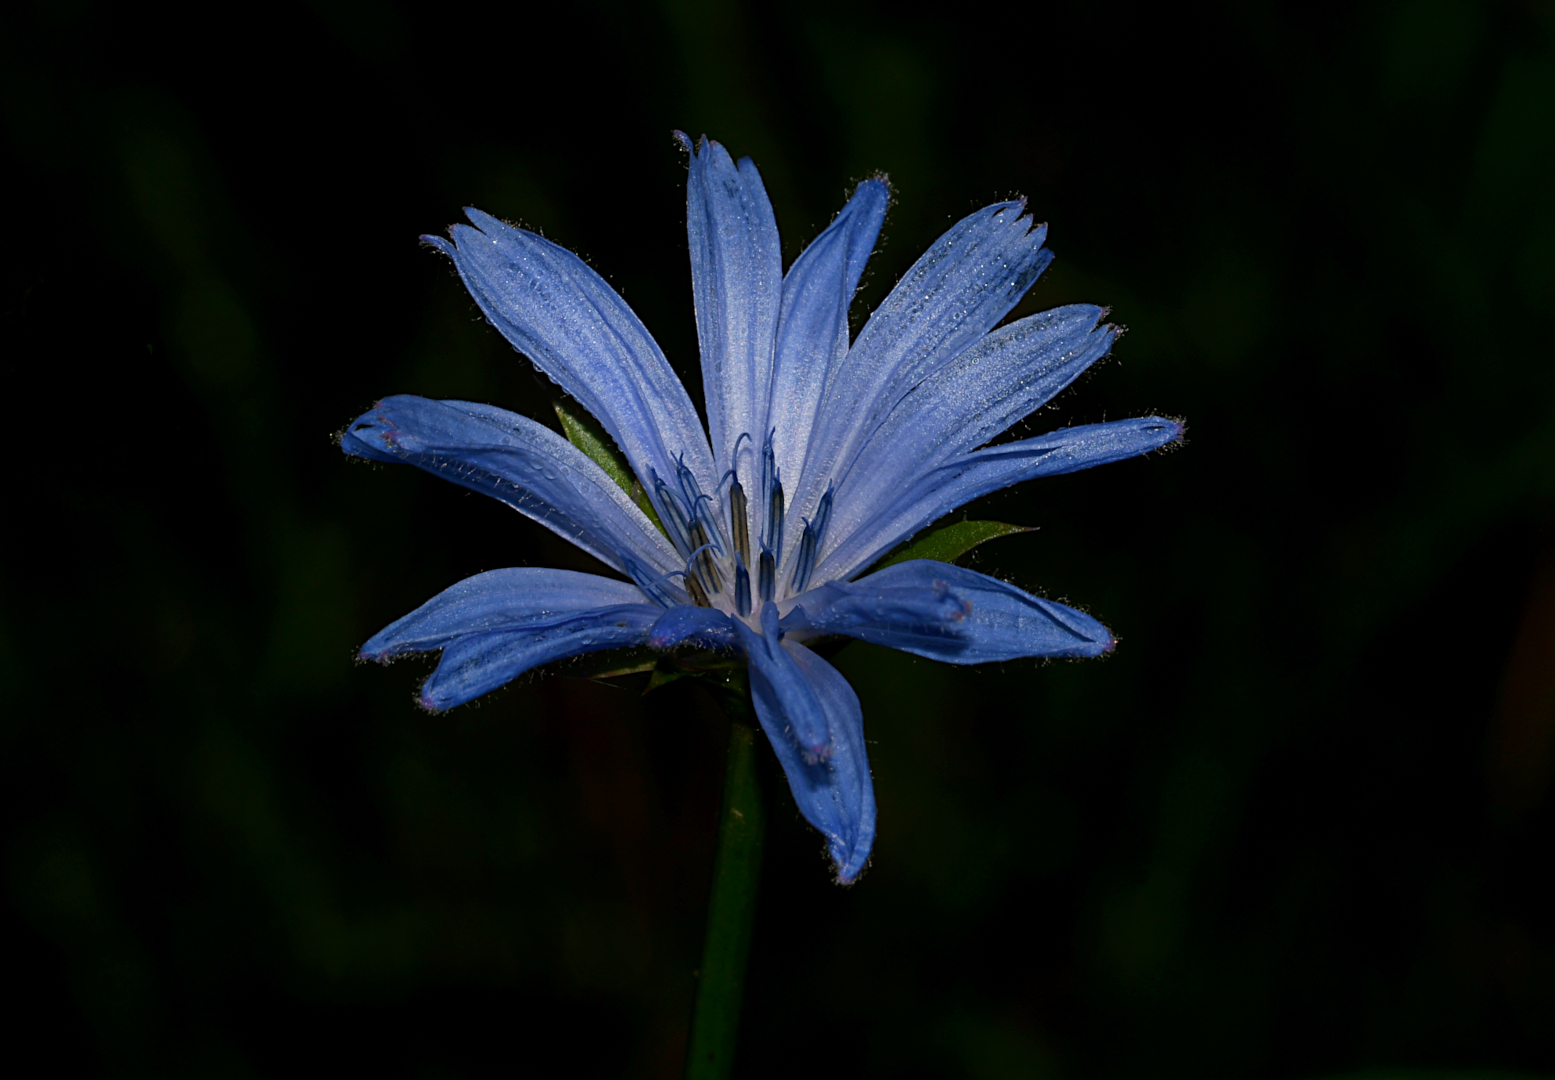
(1014, 213)
(1163, 432)
(1099, 645)
(850, 863)
(1021, 215)
(445, 246)
(879, 180)
(370, 436)
(949, 613)
(698, 146)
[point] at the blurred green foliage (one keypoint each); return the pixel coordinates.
(1298, 825)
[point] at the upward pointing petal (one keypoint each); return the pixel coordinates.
(736, 278)
(813, 329)
(954, 294)
(577, 329)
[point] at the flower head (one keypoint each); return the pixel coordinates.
(820, 455)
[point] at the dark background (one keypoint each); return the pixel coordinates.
(1300, 824)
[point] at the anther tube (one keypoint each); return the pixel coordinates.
(741, 521)
(766, 574)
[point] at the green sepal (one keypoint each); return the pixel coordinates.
(722, 674)
(663, 675)
(586, 435)
(609, 663)
(951, 542)
(583, 433)
(640, 497)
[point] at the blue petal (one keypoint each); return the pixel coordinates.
(474, 665)
(994, 384)
(576, 329)
(813, 329)
(946, 612)
(791, 698)
(736, 279)
(954, 294)
(707, 628)
(834, 794)
(520, 598)
(495, 626)
(965, 478)
(526, 465)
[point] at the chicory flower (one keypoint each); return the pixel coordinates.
(820, 455)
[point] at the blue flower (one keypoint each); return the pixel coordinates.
(824, 455)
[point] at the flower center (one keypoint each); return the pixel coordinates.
(722, 540)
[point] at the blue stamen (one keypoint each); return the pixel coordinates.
(698, 594)
(804, 560)
(822, 519)
(810, 545)
(654, 586)
(740, 515)
(773, 537)
(742, 588)
(693, 555)
(768, 468)
(704, 514)
(688, 483)
(764, 490)
(766, 575)
(703, 558)
(671, 513)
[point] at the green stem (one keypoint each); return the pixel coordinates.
(715, 1019)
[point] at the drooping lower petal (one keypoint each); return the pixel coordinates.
(528, 466)
(790, 695)
(947, 612)
(941, 490)
(835, 794)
